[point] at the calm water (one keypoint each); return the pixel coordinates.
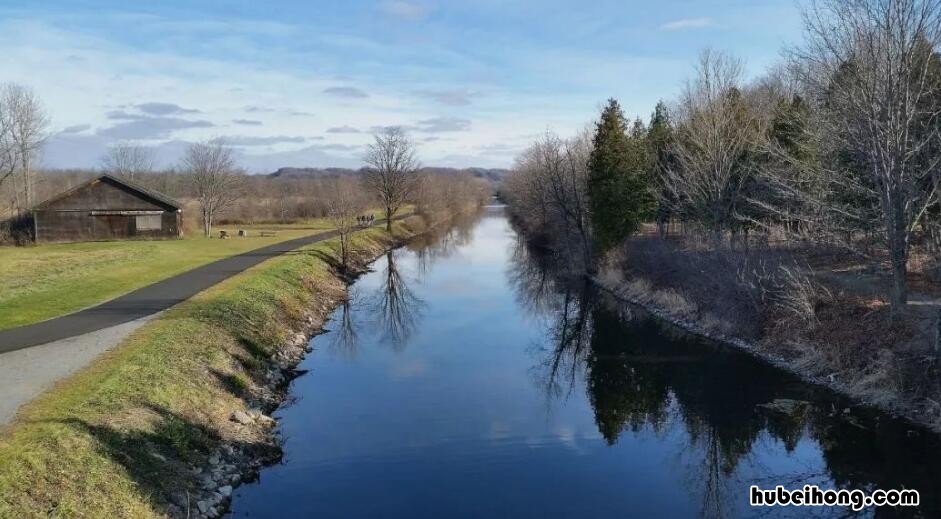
(462, 381)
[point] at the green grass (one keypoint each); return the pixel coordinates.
(46, 281)
(115, 439)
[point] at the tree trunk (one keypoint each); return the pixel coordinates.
(27, 179)
(898, 255)
(388, 219)
(16, 195)
(899, 291)
(207, 224)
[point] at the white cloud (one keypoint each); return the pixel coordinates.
(443, 124)
(687, 23)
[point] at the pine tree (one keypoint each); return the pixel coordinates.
(618, 184)
(659, 142)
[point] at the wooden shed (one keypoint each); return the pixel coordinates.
(107, 208)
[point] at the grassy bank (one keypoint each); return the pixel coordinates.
(45, 281)
(812, 311)
(129, 435)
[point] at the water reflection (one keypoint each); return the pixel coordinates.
(396, 307)
(441, 241)
(643, 376)
(626, 417)
(344, 339)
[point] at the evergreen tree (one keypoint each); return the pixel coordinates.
(618, 184)
(659, 141)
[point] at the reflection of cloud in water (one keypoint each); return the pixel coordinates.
(562, 435)
(566, 436)
(498, 431)
(494, 252)
(408, 369)
(456, 286)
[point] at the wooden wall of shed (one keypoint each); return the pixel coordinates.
(65, 226)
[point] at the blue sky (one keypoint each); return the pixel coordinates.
(303, 83)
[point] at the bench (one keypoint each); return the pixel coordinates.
(265, 234)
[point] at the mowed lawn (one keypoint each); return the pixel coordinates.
(45, 281)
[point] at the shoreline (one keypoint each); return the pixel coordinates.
(899, 407)
(228, 467)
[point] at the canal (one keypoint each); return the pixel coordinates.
(463, 380)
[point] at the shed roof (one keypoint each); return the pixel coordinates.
(139, 190)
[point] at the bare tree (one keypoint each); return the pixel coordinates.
(391, 170)
(8, 155)
(346, 203)
(449, 194)
(873, 65)
(548, 193)
(216, 180)
(715, 130)
(128, 160)
(26, 124)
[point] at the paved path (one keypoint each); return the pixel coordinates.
(27, 372)
(150, 299)
(33, 358)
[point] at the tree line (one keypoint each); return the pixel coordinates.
(839, 143)
(209, 180)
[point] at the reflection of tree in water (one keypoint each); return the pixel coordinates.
(531, 277)
(565, 307)
(638, 374)
(396, 308)
(442, 241)
(622, 395)
(570, 334)
(345, 335)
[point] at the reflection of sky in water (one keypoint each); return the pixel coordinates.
(456, 420)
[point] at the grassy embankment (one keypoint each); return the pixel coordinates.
(46, 281)
(121, 437)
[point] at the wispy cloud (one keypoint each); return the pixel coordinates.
(247, 122)
(165, 109)
(345, 92)
(245, 140)
(259, 109)
(456, 97)
(687, 23)
(151, 128)
(443, 124)
(78, 128)
(342, 129)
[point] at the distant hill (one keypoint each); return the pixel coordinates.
(312, 172)
(493, 175)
